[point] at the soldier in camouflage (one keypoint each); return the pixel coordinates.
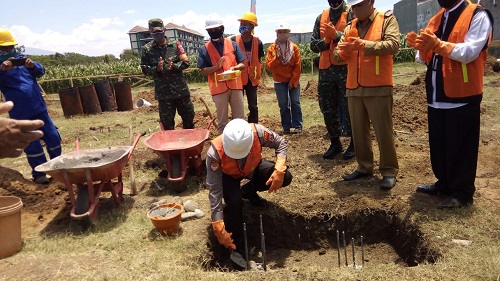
(328, 29)
(164, 60)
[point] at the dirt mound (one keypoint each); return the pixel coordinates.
(311, 90)
(148, 95)
(264, 90)
(492, 66)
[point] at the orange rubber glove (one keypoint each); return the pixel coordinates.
(411, 39)
(428, 41)
(328, 30)
(277, 177)
(222, 235)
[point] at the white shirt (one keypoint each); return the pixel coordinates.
(476, 37)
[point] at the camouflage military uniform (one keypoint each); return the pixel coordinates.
(171, 90)
(331, 84)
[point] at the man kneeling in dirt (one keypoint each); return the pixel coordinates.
(236, 155)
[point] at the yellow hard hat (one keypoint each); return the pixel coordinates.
(250, 17)
(6, 38)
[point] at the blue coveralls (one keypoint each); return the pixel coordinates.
(19, 86)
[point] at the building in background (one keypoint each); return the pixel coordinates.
(190, 39)
(300, 37)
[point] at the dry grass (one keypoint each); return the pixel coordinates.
(124, 246)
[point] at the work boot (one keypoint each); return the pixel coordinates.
(334, 149)
(249, 192)
(349, 152)
(42, 180)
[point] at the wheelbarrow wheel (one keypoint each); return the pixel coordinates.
(175, 167)
(82, 206)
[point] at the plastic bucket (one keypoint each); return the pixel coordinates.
(123, 95)
(105, 95)
(70, 101)
(90, 102)
(169, 224)
(10, 225)
(142, 102)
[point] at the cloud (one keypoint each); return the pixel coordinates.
(97, 37)
(130, 11)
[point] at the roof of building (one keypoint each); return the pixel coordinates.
(170, 26)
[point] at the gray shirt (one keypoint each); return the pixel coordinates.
(267, 138)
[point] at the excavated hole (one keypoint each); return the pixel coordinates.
(292, 241)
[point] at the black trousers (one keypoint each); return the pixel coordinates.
(251, 92)
(233, 211)
(454, 145)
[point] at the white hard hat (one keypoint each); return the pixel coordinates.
(213, 23)
(282, 26)
(237, 139)
(353, 2)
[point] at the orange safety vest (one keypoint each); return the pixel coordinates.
(253, 66)
(230, 166)
(460, 79)
(370, 71)
(220, 87)
(326, 57)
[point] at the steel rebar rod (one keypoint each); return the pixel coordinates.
(345, 247)
(362, 253)
(353, 255)
(263, 244)
(246, 245)
(338, 247)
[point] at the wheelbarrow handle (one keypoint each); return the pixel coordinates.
(211, 122)
(135, 144)
(77, 143)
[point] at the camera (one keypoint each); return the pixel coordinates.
(18, 62)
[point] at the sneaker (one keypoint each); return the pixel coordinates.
(42, 180)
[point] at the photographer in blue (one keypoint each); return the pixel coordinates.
(18, 84)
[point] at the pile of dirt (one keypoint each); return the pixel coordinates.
(149, 96)
(311, 90)
(264, 90)
(492, 66)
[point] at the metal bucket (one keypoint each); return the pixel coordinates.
(70, 102)
(10, 225)
(123, 94)
(90, 102)
(105, 95)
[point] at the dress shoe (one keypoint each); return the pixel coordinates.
(453, 203)
(387, 183)
(430, 189)
(355, 175)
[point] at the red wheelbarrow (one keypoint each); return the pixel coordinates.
(181, 148)
(92, 171)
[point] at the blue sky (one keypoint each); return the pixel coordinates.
(96, 28)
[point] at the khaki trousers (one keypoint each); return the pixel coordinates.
(378, 110)
(234, 98)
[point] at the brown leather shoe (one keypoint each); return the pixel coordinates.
(355, 175)
(387, 183)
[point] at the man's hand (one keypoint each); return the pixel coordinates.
(15, 135)
(278, 176)
(6, 65)
(29, 63)
(328, 30)
(223, 237)
(159, 67)
(220, 63)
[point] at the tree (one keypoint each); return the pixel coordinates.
(129, 54)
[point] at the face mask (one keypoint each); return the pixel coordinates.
(446, 3)
(5, 55)
(283, 37)
(244, 29)
(158, 36)
(215, 34)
